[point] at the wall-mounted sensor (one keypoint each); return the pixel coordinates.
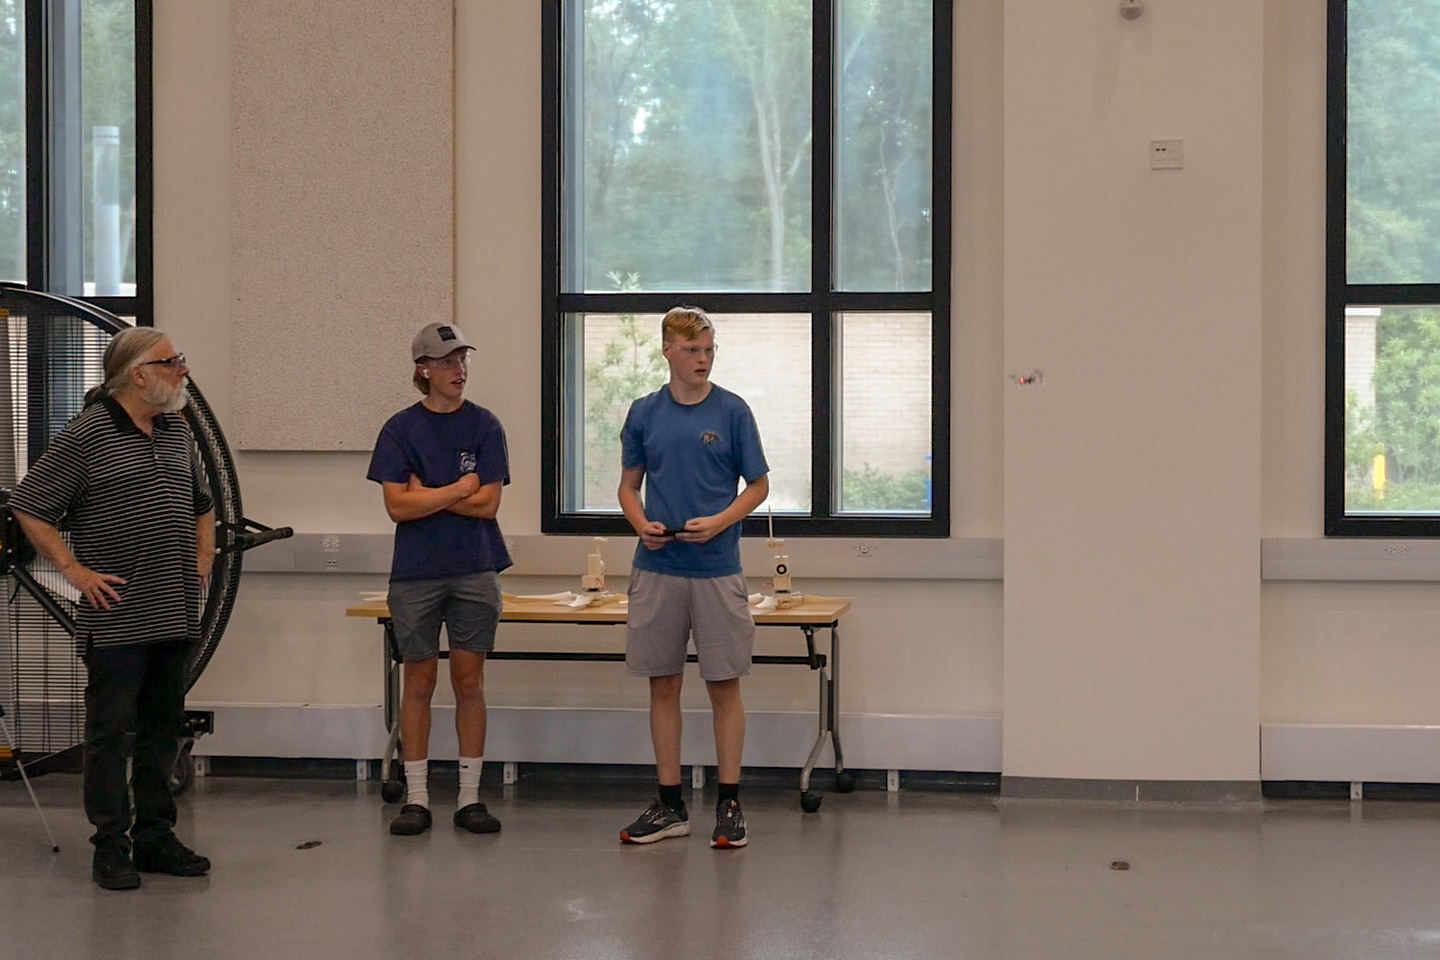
(1131, 9)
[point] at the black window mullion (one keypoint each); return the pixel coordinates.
(551, 423)
(1335, 274)
(144, 309)
(37, 209)
(942, 69)
(823, 384)
(1383, 294)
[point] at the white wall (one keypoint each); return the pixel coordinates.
(1132, 471)
(912, 648)
(1178, 318)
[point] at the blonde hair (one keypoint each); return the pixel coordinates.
(685, 323)
(122, 354)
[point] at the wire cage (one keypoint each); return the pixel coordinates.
(51, 353)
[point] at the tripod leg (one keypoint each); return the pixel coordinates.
(54, 847)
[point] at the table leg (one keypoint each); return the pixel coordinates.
(844, 779)
(810, 802)
(391, 790)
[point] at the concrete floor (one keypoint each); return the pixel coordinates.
(873, 875)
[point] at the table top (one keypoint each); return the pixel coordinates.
(812, 612)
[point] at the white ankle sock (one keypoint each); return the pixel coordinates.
(417, 782)
(469, 781)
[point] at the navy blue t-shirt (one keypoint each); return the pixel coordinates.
(694, 456)
(439, 448)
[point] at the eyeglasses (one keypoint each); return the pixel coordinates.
(699, 351)
(450, 363)
(172, 362)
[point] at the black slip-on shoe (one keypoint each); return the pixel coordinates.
(475, 818)
(413, 819)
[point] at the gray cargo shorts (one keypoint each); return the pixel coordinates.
(666, 611)
(469, 606)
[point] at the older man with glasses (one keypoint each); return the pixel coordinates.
(125, 480)
(441, 464)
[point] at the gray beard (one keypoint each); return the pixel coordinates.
(167, 401)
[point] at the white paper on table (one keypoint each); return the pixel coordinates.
(767, 604)
(563, 597)
(372, 597)
(755, 598)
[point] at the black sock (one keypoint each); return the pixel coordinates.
(670, 796)
(729, 791)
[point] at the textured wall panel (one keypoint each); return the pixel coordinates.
(342, 182)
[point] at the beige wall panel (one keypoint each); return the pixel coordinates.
(342, 176)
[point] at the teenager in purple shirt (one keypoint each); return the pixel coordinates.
(442, 464)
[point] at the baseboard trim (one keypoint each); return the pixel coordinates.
(1354, 753)
(1153, 791)
(610, 736)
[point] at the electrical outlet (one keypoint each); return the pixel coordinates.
(863, 548)
(332, 563)
(1167, 154)
(1396, 549)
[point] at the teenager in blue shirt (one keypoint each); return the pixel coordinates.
(442, 464)
(689, 444)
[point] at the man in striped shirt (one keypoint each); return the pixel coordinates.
(124, 479)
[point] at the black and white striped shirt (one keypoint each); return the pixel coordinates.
(129, 502)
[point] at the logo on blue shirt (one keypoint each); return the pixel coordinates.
(709, 438)
(467, 462)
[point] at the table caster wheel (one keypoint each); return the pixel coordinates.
(810, 802)
(392, 791)
(844, 781)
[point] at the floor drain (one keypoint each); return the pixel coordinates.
(1119, 864)
(307, 845)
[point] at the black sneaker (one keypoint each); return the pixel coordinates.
(414, 819)
(475, 818)
(170, 856)
(656, 823)
(729, 825)
(114, 870)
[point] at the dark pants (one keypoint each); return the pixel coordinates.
(136, 690)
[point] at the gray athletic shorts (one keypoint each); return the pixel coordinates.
(469, 607)
(665, 611)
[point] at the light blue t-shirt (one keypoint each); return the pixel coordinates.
(694, 458)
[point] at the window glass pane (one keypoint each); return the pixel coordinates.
(765, 358)
(884, 422)
(688, 150)
(12, 140)
(883, 145)
(1392, 410)
(92, 155)
(1392, 169)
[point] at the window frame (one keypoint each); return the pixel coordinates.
(823, 303)
(39, 194)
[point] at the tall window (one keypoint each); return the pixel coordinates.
(1382, 475)
(785, 165)
(75, 155)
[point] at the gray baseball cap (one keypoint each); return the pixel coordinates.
(437, 340)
